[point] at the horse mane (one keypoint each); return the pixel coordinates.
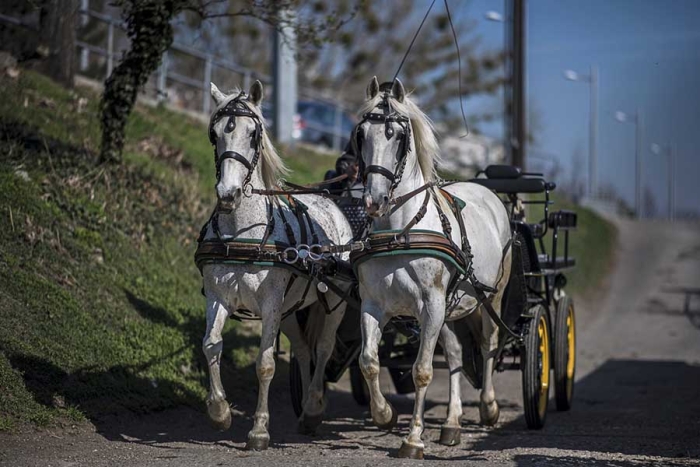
(271, 165)
(425, 143)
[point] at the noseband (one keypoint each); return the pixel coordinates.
(236, 107)
(387, 118)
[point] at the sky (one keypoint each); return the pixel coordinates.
(648, 56)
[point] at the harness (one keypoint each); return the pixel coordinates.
(303, 258)
(420, 242)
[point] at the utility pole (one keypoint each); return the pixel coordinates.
(593, 133)
(638, 165)
(517, 140)
(285, 77)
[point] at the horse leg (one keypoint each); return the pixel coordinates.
(431, 320)
(450, 432)
(315, 402)
(212, 345)
(258, 437)
(383, 413)
(290, 327)
(488, 406)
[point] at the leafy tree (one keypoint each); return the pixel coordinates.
(149, 26)
(373, 43)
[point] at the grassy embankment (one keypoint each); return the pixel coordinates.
(100, 310)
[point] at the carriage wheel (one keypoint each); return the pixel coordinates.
(360, 391)
(564, 353)
(536, 368)
(295, 386)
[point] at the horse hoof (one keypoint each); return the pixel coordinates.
(219, 415)
(409, 451)
(257, 444)
(489, 413)
(450, 436)
(308, 424)
(392, 421)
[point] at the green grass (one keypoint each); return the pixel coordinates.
(100, 304)
(592, 244)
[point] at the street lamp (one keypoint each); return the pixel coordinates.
(494, 16)
(636, 119)
(592, 80)
(658, 149)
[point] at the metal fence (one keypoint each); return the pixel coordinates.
(186, 88)
(189, 89)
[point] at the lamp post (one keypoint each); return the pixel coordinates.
(636, 119)
(658, 149)
(592, 80)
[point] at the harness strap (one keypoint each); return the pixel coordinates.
(287, 228)
(270, 224)
(401, 200)
(486, 301)
(417, 218)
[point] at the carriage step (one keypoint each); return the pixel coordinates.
(508, 366)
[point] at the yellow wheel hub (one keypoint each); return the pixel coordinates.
(545, 365)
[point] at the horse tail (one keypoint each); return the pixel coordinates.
(314, 327)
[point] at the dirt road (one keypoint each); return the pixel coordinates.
(637, 396)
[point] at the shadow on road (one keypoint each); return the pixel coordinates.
(625, 406)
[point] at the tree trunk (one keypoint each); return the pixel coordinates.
(151, 35)
(57, 32)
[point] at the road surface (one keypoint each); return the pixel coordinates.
(637, 396)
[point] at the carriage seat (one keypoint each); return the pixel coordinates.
(510, 180)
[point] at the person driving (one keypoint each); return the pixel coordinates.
(346, 164)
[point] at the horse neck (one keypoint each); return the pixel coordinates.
(249, 219)
(412, 179)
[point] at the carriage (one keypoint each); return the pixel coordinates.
(537, 328)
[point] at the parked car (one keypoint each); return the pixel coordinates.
(314, 123)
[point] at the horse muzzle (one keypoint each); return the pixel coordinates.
(376, 208)
(228, 199)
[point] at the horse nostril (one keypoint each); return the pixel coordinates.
(237, 194)
(385, 200)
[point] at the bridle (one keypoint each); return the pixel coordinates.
(388, 117)
(237, 107)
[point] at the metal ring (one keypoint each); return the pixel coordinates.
(313, 255)
(291, 249)
(248, 190)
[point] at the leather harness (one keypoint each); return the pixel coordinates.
(428, 243)
(291, 255)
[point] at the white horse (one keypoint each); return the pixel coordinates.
(261, 289)
(416, 284)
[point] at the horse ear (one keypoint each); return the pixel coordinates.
(256, 93)
(398, 91)
(373, 88)
(216, 94)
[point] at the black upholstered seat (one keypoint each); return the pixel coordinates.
(509, 180)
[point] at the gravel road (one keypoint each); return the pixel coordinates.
(637, 397)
